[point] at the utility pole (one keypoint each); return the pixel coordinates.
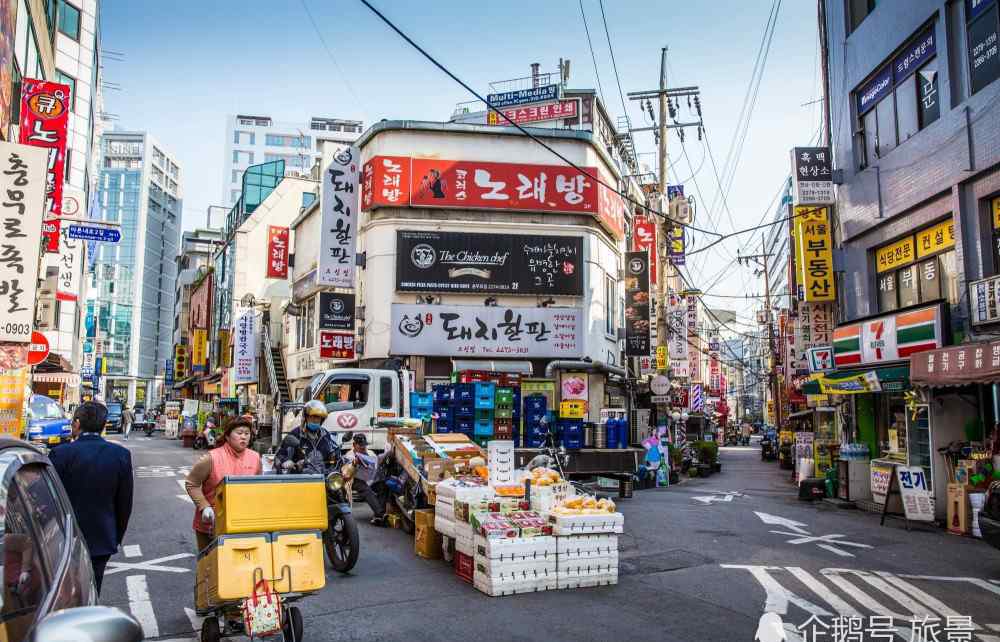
(761, 261)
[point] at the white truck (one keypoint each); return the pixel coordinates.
(357, 398)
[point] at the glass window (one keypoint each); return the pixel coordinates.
(886, 114)
(869, 134)
(949, 277)
(49, 515)
(610, 298)
(385, 392)
(24, 581)
(930, 281)
(69, 20)
(928, 99)
(887, 292)
(859, 10)
(909, 293)
(982, 30)
(906, 108)
(66, 79)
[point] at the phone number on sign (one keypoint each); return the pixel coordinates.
(16, 328)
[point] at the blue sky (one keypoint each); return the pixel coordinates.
(187, 64)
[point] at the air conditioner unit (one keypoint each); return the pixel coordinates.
(46, 319)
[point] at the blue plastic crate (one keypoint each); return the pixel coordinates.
(483, 428)
(443, 426)
(463, 392)
(571, 425)
(485, 388)
(442, 392)
(422, 399)
(466, 426)
(531, 441)
(535, 403)
(441, 405)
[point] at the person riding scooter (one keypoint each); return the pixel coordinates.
(310, 448)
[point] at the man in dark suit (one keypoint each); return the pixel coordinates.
(98, 479)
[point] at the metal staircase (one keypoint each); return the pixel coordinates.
(275, 369)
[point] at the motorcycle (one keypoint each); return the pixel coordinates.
(768, 451)
(340, 540)
(206, 439)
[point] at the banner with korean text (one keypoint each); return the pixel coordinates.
(22, 182)
(814, 254)
(245, 346)
(45, 108)
(70, 250)
(495, 331)
(277, 252)
(339, 207)
(694, 341)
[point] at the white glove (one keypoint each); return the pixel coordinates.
(208, 515)
(24, 579)
(287, 465)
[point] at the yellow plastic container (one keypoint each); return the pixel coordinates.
(269, 503)
(227, 567)
(573, 409)
(297, 558)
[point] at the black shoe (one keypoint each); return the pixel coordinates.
(377, 521)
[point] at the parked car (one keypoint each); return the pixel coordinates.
(47, 423)
(46, 567)
(989, 517)
(113, 423)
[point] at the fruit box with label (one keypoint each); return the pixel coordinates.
(581, 524)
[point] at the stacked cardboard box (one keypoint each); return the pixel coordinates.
(514, 553)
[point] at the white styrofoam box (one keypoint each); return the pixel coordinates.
(525, 568)
(506, 585)
(499, 446)
(516, 548)
(465, 541)
(585, 581)
(443, 525)
(543, 498)
(445, 510)
(454, 489)
(583, 524)
(587, 545)
(587, 566)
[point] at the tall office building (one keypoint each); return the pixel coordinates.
(77, 40)
(130, 302)
(252, 140)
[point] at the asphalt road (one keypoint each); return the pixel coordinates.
(698, 562)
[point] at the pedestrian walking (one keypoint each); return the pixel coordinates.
(128, 418)
(97, 475)
(233, 458)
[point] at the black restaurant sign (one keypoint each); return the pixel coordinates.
(430, 261)
(637, 317)
(336, 311)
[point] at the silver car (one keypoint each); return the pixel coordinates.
(46, 566)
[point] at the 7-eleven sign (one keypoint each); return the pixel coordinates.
(820, 359)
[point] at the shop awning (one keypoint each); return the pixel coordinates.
(66, 378)
(520, 367)
(957, 365)
(892, 378)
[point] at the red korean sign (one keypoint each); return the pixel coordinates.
(336, 345)
(644, 238)
(38, 349)
(534, 113)
(611, 210)
(277, 252)
(45, 110)
(385, 180)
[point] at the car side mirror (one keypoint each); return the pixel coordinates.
(102, 623)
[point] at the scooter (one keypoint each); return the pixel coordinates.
(768, 449)
(202, 441)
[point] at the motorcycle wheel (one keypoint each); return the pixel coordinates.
(342, 543)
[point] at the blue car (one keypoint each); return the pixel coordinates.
(47, 423)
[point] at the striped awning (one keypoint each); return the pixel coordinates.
(65, 378)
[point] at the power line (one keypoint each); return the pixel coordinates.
(329, 53)
(534, 138)
(614, 65)
(593, 57)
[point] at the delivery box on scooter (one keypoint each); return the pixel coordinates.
(297, 557)
(227, 568)
(269, 503)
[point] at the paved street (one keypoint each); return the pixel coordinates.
(698, 563)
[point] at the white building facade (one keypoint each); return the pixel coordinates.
(251, 140)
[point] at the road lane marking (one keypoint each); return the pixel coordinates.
(193, 618)
(141, 606)
(775, 520)
(834, 549)
(919, 595)
(150, 565)
(839, 605)
(132, 550)
(718, 496)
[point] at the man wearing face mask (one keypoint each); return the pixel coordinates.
(309, 448)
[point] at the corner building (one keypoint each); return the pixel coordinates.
(915, 130)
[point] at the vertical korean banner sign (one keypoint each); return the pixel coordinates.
(694, 342)
(70, 249)
(277, 252)
(22, 183)
(340, 204)
(637, 343)
(245, 346)
(44, 117)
